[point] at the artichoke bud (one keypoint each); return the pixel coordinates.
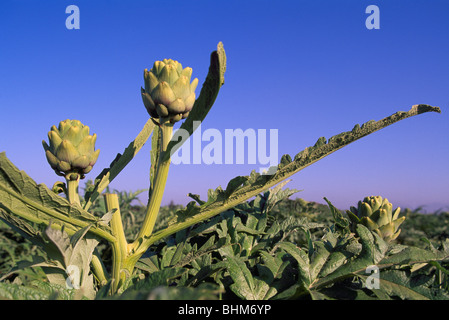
(157, 67)
(163, 94)
(187, 72)
(377, 215)
(365, 209)
(66, 152)
(161, 111)
(149, 104)
(81, 162)
(177, 117)
(193, 85)
(63, 167)
(54, 138)
(168, 92)
(177, 106)
(374, 202)
(169, 74)
(71, 149)
(181, 87)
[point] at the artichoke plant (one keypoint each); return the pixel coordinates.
(168, 91)
(377, 215)
(71, 152)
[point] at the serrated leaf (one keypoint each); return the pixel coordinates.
(273, 263)
(36, 261)
(21, 196)
(178, 253)
(245, 286)
(55, 291)
(12, 291)
(242, 228)
(303, 261)
(339, 219)
(271, 272)
(234, 184)
(413, 255)
(397, 283)
(196, 197)
(373, 251)
(277, 194)
(19, 225)
(149, 264)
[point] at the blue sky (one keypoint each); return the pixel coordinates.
(306, 68)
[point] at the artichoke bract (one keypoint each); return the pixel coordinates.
(168, 91)
(71, 152)
(377, 215)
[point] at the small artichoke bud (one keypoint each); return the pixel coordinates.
(71, 149)
(168, 92)
(378, 216)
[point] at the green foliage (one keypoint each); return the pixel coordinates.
(36, 290)
(266, 248)
(419, 225)
(22, 199)
(224, 247)
(248, 253)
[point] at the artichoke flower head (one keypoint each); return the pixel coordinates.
(71, 152)
(378, 216)
(168, 92)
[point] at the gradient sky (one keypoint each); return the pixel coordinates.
(307, 68)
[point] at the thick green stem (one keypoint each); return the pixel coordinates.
(72, 191)
(120, 246)
(158, 187)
